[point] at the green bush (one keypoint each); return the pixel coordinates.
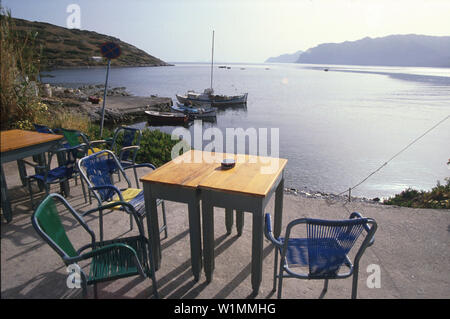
(438, 197)
(156, 147)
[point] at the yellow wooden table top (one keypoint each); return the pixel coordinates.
(15, 139)
(252, 175)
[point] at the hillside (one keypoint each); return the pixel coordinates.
(285, 58)
(393, 50)
(64, 47)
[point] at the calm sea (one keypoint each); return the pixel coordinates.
(335, 127)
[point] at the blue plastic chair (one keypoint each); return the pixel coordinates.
(97, 170)
(43, 129)
(46, 175)
(125, 143)
(323, 251)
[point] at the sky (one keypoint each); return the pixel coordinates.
(247, 31)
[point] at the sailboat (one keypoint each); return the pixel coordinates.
(208, 97)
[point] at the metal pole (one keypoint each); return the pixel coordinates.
(104, 98)
(212, 61)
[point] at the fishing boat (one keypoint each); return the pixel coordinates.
(194, 112)
(166, 118)
(208, 97)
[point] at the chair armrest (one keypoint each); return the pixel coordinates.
(105, 249)
(96, 142)
(35, 165)
(268, 231)
(149, 165)
(100, 200)
(366, 226)
(132, 148)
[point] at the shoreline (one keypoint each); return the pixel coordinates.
(67, 67)
(121, 105)
(314, 194)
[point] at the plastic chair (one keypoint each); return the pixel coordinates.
(323, 251)
(43, 129)
(46, 175)
(38, 160)
(97, 170)
(125, 143)
(112, 259)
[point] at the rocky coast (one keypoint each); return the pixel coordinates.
(121, 106)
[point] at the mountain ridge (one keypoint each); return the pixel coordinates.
(393, 50)
(285, 58)
(67, 48)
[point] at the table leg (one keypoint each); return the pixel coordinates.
(22, 172)
(6, 205)
(208, 238)
(229, 220)
(278, 208)
(64, 186)
(257, 247)
(239, 221)
(152, 226)
(195, 237)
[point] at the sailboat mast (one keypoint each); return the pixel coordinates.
(212, 60)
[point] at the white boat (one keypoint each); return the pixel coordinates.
(208, 97)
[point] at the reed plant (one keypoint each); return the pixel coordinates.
(20, 64)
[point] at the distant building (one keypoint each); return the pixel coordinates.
(97, 58)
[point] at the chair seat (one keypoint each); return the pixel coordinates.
(61, 172)
(118, 263)
(323, 256)
(135, 197)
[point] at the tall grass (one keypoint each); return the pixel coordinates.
(20, 63)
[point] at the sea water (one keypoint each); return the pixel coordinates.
(335, 127)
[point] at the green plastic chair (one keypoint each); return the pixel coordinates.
(110, 260)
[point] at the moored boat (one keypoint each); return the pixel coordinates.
(209, 98)
(194, 112)
(166, 118)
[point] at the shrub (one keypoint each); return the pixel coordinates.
(438, 197)
(156, 147)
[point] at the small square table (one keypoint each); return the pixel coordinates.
(18, 144)
(198, 175)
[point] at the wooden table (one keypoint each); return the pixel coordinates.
(198, 175)
(18, 144)
(246, 188)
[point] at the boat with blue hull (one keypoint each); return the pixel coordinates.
(194, 112)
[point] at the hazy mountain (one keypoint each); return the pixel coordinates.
(64, 47)
(393, 50)
(285, 58)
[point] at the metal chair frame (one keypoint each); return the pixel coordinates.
(126, 153)
(282, 244)
(94, 189)
(100, 248)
